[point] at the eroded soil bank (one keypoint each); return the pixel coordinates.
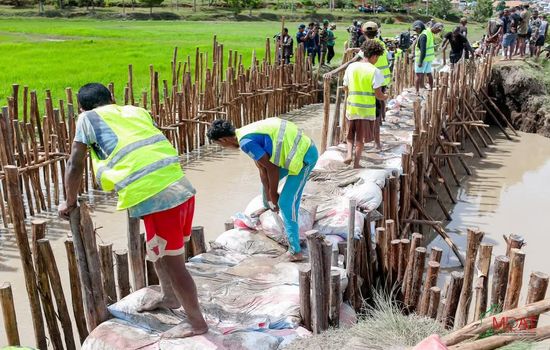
(520, 89)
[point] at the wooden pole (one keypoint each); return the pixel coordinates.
(500, 282)
(326, 113)
(482, 285)
(479, 327)
(107, 272)
(319, 257)
(89, 272)
(76, 291)
(8, 312)
(404, 247)
(498, 341)
(515, 279)
(335, 298)
(305, 297)
(122, 273)
(152, 278)
(17, 213)
(431, 281)
(135, 252)
(435, 296)
(435, 254)
(197, 240)
(538, 284)
(415, 243)
(451, 299)
(513, 241)
(417, 272)
(47, 256)
(474, 239)
(352, 290)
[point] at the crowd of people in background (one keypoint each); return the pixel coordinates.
(318, 40)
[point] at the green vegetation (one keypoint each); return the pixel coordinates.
(483, 10)
(58, 53)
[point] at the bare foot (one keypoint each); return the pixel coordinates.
(358, 166)
(378, 146)
(184, 330)
(157, 301)
(295, 257)
(347, 161)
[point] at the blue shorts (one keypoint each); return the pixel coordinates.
(509, 39)
(426, 68)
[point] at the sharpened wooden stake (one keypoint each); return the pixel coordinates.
(135, 252)
(500, 282)
(482, 284)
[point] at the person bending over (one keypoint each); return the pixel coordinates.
(131, 156)
(280, 150)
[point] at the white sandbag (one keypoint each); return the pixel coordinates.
(378, 176)
(247, 242)
(244, 221)
(254, 205)
(368, 195)
(272, 225)
(333, 219)
(331, 159)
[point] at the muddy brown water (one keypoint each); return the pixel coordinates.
(508, 193)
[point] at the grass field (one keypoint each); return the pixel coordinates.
(58, 53)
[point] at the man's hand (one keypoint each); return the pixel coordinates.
(274, 201)
(64, 210)
(420, 65)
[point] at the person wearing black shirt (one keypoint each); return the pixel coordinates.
(458, 44)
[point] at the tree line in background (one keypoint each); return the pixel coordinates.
(437, 8)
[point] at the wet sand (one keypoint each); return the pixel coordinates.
(225, 182)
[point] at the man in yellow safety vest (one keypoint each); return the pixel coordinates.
(132, 157)
(279, 149)
(424, 52)
(363, 83)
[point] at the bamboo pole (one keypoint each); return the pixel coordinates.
(8, 313)
(47, 256)
(17, 213)
(305, 297)
(122, 273)
(474, 239)
(319, 257)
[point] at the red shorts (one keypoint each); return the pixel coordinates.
(167, 231)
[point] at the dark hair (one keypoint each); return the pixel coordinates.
(372, 48)
(93, 95)
(220, 128)
(285, 30)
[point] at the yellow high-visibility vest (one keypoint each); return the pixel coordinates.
(430, 48)
(143, 162)
(361, 100)
(383, 64)
(289, 143)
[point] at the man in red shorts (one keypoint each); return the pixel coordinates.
(131, 156)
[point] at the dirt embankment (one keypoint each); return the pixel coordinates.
(521, 92)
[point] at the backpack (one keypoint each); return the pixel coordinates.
(404, 40)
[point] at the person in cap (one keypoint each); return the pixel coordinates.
(280, 150)
(362, 82)
(301, 36)
(424, 52)
(134, 158)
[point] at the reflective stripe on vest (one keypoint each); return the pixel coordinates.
(383, 64)
(141, 164)
(361, 101)
(430, 47)
(289, 144)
